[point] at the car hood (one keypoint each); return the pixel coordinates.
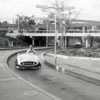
(28, 57)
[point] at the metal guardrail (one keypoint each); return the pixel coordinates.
(53, 31)
(83, 31)
(68, 31)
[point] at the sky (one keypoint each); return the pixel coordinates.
(89, 9)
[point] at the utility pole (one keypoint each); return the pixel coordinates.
(57, 9)
(55, 20)
(50, 7)
(18, 22)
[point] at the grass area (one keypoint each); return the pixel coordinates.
(80, 51)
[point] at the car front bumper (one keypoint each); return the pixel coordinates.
(37, 66)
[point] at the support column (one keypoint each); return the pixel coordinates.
(83, 29)
(46, 41)
(61, 42)
(92, 41)
(67, 41)
(33, 41)
(93, 27)
(10, 43)
(89, 41)
(83, 39)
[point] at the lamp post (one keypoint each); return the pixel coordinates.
(18, 21)
(55, 32)
(55, 20)
(18, 24)
(47, 8)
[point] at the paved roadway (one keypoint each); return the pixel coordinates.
(59, 84)
(13, 87)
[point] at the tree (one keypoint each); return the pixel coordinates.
(64, 16)
(4, 22)
(25, 22)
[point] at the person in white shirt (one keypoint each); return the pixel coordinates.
(31, 49)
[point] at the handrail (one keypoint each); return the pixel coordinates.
(68, 31)
(39, 31)
(83, 31)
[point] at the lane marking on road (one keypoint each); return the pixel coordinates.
(30, 93)
(63, 70)
(1, 66)
(3, 70)
(57, 68)
(8, 79)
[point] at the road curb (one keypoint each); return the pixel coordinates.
(84, 76)
(76, 57)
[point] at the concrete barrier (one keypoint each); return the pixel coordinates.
(63, 64)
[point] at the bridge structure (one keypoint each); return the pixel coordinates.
(86, 34)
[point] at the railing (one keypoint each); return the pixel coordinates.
(68, 31)
(53, 31)
(83, 31)
(39, 31)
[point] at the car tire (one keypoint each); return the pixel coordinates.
(39, 65)
(16, 63)
(17, 67)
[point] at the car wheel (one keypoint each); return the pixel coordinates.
(16, 63)
(17, 67)
(39, 65)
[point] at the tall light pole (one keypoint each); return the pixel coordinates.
(47, 8)
(55, 33)
(18, 22)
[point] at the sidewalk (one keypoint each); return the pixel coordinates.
(84, 68)
(13, 87)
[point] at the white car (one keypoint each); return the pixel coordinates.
(27, 60)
